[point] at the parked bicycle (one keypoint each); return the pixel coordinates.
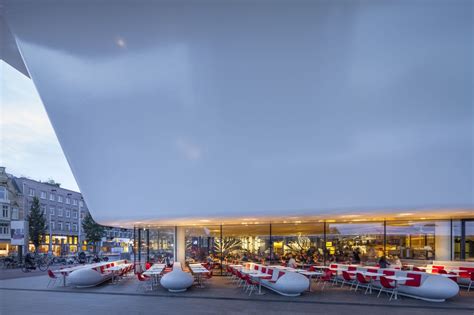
(33, 262)
(9, 262)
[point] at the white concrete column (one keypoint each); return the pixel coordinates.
(180, 244)
(443, 240)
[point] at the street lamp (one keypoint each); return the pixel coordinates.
(79, 243)
(50, 230)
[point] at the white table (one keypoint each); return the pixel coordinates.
(199, 272)
(259, 276)
(249, 271)
(310, 274)
(397, 279)
(114, 269)
(320, 267)
(456, 270)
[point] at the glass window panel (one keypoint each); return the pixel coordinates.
(411, 239)
(161, 244)
(202, 244)
(246, 242)
(355, 242)
(303, 241)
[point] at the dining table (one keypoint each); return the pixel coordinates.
(310, 275)
(397, 280)
(115, 269)
(198, 270)
(259, 275)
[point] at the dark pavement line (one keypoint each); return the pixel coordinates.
(451, 308)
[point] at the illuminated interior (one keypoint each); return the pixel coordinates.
(418, 239)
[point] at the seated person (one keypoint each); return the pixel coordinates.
(30, 261)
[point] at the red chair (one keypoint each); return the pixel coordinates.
(241, 278)
(442, 272)
(417, 269)
(471, 281)
(453, 277)
(147, 265)
(415, 281)
(144, 282)
(269, 272)
(347, 278)
(362, 281)
(52, 278)
(280, 274)
(386, 286)
(250, 284)
(327, 277)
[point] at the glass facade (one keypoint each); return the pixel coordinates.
(310, 242)
(355, 242)
(246, 242)
(303, 241)
(202, 243)
(463, 234)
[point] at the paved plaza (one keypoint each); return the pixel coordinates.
(30, 295)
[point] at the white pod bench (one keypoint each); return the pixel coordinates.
(423, 286)
(177, 280)
(284, 282)
(92, 274)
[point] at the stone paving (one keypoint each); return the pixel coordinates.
(219, 296)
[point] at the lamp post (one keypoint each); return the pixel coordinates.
(50, 230)
(79, 243)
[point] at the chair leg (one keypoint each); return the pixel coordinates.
(469, 288)
(380, 291)
(357, 287)
(343, 281)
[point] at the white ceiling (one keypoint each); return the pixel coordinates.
(180, 109)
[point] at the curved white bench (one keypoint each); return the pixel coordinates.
(92, 274)
(426, 286)
(465, 266)
(284, 282)
(177, 280)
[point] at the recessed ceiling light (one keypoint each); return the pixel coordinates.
(121, 42)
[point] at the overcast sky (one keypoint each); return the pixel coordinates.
(29, 146)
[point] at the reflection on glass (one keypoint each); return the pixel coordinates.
(246, 242)
(411, 239)
(463, 234)
(202, 245)
(355, 242)
(161, 241)
(303, 241)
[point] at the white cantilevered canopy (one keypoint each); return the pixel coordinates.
(173, 109)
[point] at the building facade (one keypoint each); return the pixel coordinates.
(64, 210)
(11, 217)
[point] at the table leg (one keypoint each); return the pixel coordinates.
(260, 287)
(396, 291)
(64, 280)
